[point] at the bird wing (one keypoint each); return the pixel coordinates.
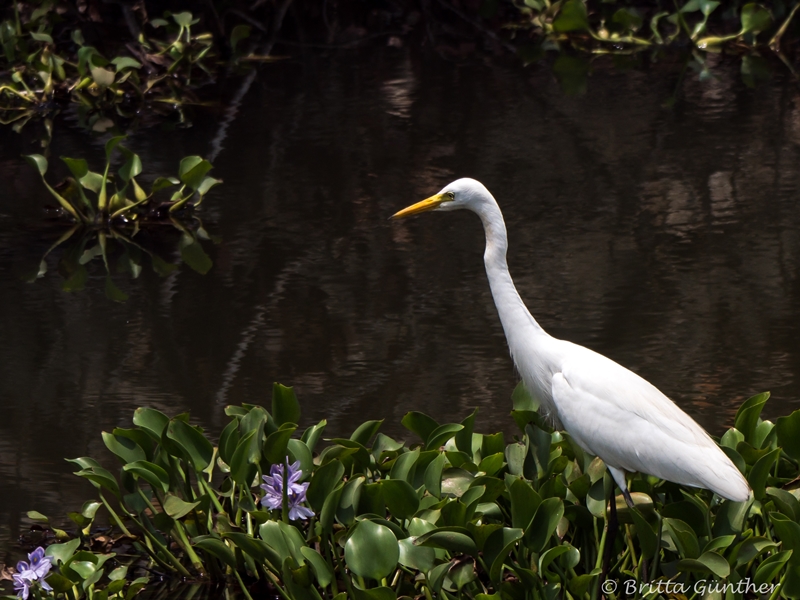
(613, 413)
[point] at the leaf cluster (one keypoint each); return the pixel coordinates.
(614, 23)
(456, 514)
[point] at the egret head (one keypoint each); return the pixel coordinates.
(462, 193)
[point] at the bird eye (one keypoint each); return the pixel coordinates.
(451, 196)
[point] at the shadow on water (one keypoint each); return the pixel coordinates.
(652, 218)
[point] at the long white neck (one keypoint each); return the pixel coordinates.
(518, 324)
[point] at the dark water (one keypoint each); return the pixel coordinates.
(653, 219)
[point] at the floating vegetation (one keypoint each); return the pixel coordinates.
(107, 209)
(455, 514)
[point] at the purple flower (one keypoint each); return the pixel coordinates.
(295, 492)
(30, 572)
(22, 586)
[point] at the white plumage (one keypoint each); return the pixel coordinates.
(608, 410)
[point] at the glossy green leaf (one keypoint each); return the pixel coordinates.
(419, 423)
(788, 430)
(684, 537)
(125, 449)
(433, 476)
(276, 444)
(285, 407)
(192, 171)
(544, 523)
(768, 570)
(157, 477)
(101, 478)
(257, 549)
(441, 434)
(177, 508)
(498, 546)
(38, 162)
(730, 518)
(415, 556)
(748, 414)
(401, 499)
(757, 478)
(242, 468)
(61, 553)
(708, 562)
(458, 542)
(524, 502)
(152, 421)
(365, 432)
(372, 551)
(348, 505)
(402, 467)
(324, 481)
(216, 547)
(322, 570)
(194, 444)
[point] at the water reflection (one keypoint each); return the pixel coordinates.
(664, 236)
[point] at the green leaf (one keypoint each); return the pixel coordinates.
(371, 551)
(433, 476)
(648, 540)
(277, 442)
(126, 62)
(403, 465)
(364, 433)
(419, 423)
(544, 523)
(757, 477)
(198, 449)
(464, 437)
(322, 571)
(156, 476)
(285, 407)
(113, 143)
(453, 541)
(416, 557)
(206, 185)
(524, 502)
(38, 162)
(177, 508)
(755, 18)
(441, 434)
(768, 570)
(101, 479)
(152, 421)
(684, 537)
(572, 17)
(787, 531)
(499, 545)
(61, 553)
(132, 166)
(401, 499)
(257, 549)
(242, 468)
(41, 37)
(324, 481)
(216, 547)
(193, 255)
(102, 77)
(708, 562)
(193, 170)
(788, 431)
(748, 414)
(126, 449)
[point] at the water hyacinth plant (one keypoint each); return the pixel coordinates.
(454, 514)
(106, 204)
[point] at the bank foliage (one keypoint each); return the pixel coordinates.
(451, 513)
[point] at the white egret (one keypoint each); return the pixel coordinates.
(608, 410)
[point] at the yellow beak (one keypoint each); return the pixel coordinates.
(423, 206)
